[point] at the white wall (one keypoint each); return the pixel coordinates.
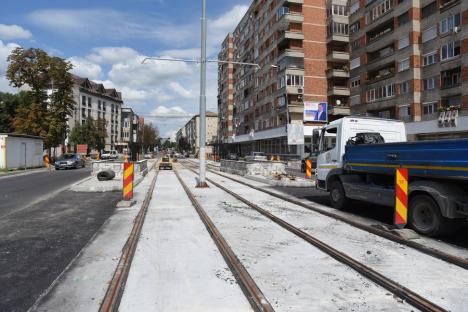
(15, 152)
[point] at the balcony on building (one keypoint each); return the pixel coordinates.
(338, 90)
(384, 72)
(381, 54)
(337, 31)
(288, 35)
(338, 72)
(290, 62)
(338, 52)
(288, 55)
(380, 32)
(286, 15)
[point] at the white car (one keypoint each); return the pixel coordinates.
(109, 155)
(256, 156)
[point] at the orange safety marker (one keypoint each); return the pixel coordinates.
(401, 198)
(308, 168)
(128, 181)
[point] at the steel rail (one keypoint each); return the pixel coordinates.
(455, 260)
(397, 289)
(251, 290)
(114, 292)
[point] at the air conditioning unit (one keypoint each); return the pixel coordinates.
(300, 90)
(456, 29)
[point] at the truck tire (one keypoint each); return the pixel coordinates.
(425, 218)
(338, 197)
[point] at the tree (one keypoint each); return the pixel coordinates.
(149, 137)
(44, 115)
(183, 145)
(92, 133)
(8, 105)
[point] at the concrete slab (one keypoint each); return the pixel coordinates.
(177, 266)
(293, 275)
(84, 283)
(443, 283)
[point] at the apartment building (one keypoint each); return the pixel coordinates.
(409, 61)
(288, 41)
(131, 130)
(95, 101)
(191, 131)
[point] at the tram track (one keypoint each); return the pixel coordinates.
(389, 284)
(455, 260)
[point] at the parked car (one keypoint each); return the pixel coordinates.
(165, 163)
(232, 156)
(256, 156)
(109, 155)
(69, 161)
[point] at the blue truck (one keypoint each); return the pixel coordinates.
(358, 158)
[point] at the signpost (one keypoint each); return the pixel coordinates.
(401, 200)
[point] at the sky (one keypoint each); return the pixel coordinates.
(106, 41)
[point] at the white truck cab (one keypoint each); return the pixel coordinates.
(334, 136)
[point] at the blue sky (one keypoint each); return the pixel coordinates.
(106, 41)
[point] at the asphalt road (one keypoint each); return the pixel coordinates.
(39, 239)
(19, 191)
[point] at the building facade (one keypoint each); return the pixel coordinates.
(191, 131)
(130, 132)
(93, 100)
(287, 39)
(409, 61)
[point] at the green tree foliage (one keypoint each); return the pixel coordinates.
(8, 105)
(93, 133)
(149, 137)
(183, 145)
(43, 115)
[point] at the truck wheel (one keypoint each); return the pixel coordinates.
(425, 217)
(338, 197)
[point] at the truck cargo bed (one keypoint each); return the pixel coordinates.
(439, 159)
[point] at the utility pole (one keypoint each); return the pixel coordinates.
(202, 152)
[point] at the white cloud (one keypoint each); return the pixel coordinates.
(181, 91)
(110, 55)
(5, 50)
(14, 32)
(85, 68)
(170, 112)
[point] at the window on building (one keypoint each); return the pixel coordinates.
(335, 28)
(384, 114)
(89, 102)
(370, 94)
(404, 87)
(429, 108)
(449, 23)
(83, 100)
(380, 9)
(99, 104)
(355, 82)
(449, 50)
(429, 83)
(429, 34)
(281, 11)
(403, 65)
(403, 42)
(451, 78)
(354, 27)
(430, 58)
(340, 10)
(403, 18)
(429, 9)
(354, 8)
(355, 44)
(355, 63)
(404, 111)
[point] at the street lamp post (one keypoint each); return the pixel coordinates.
(202, 154)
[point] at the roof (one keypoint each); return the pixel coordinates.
(97, 88)
(19, 135)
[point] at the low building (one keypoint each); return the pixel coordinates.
(20, 151)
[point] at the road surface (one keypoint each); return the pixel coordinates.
(42, 231)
